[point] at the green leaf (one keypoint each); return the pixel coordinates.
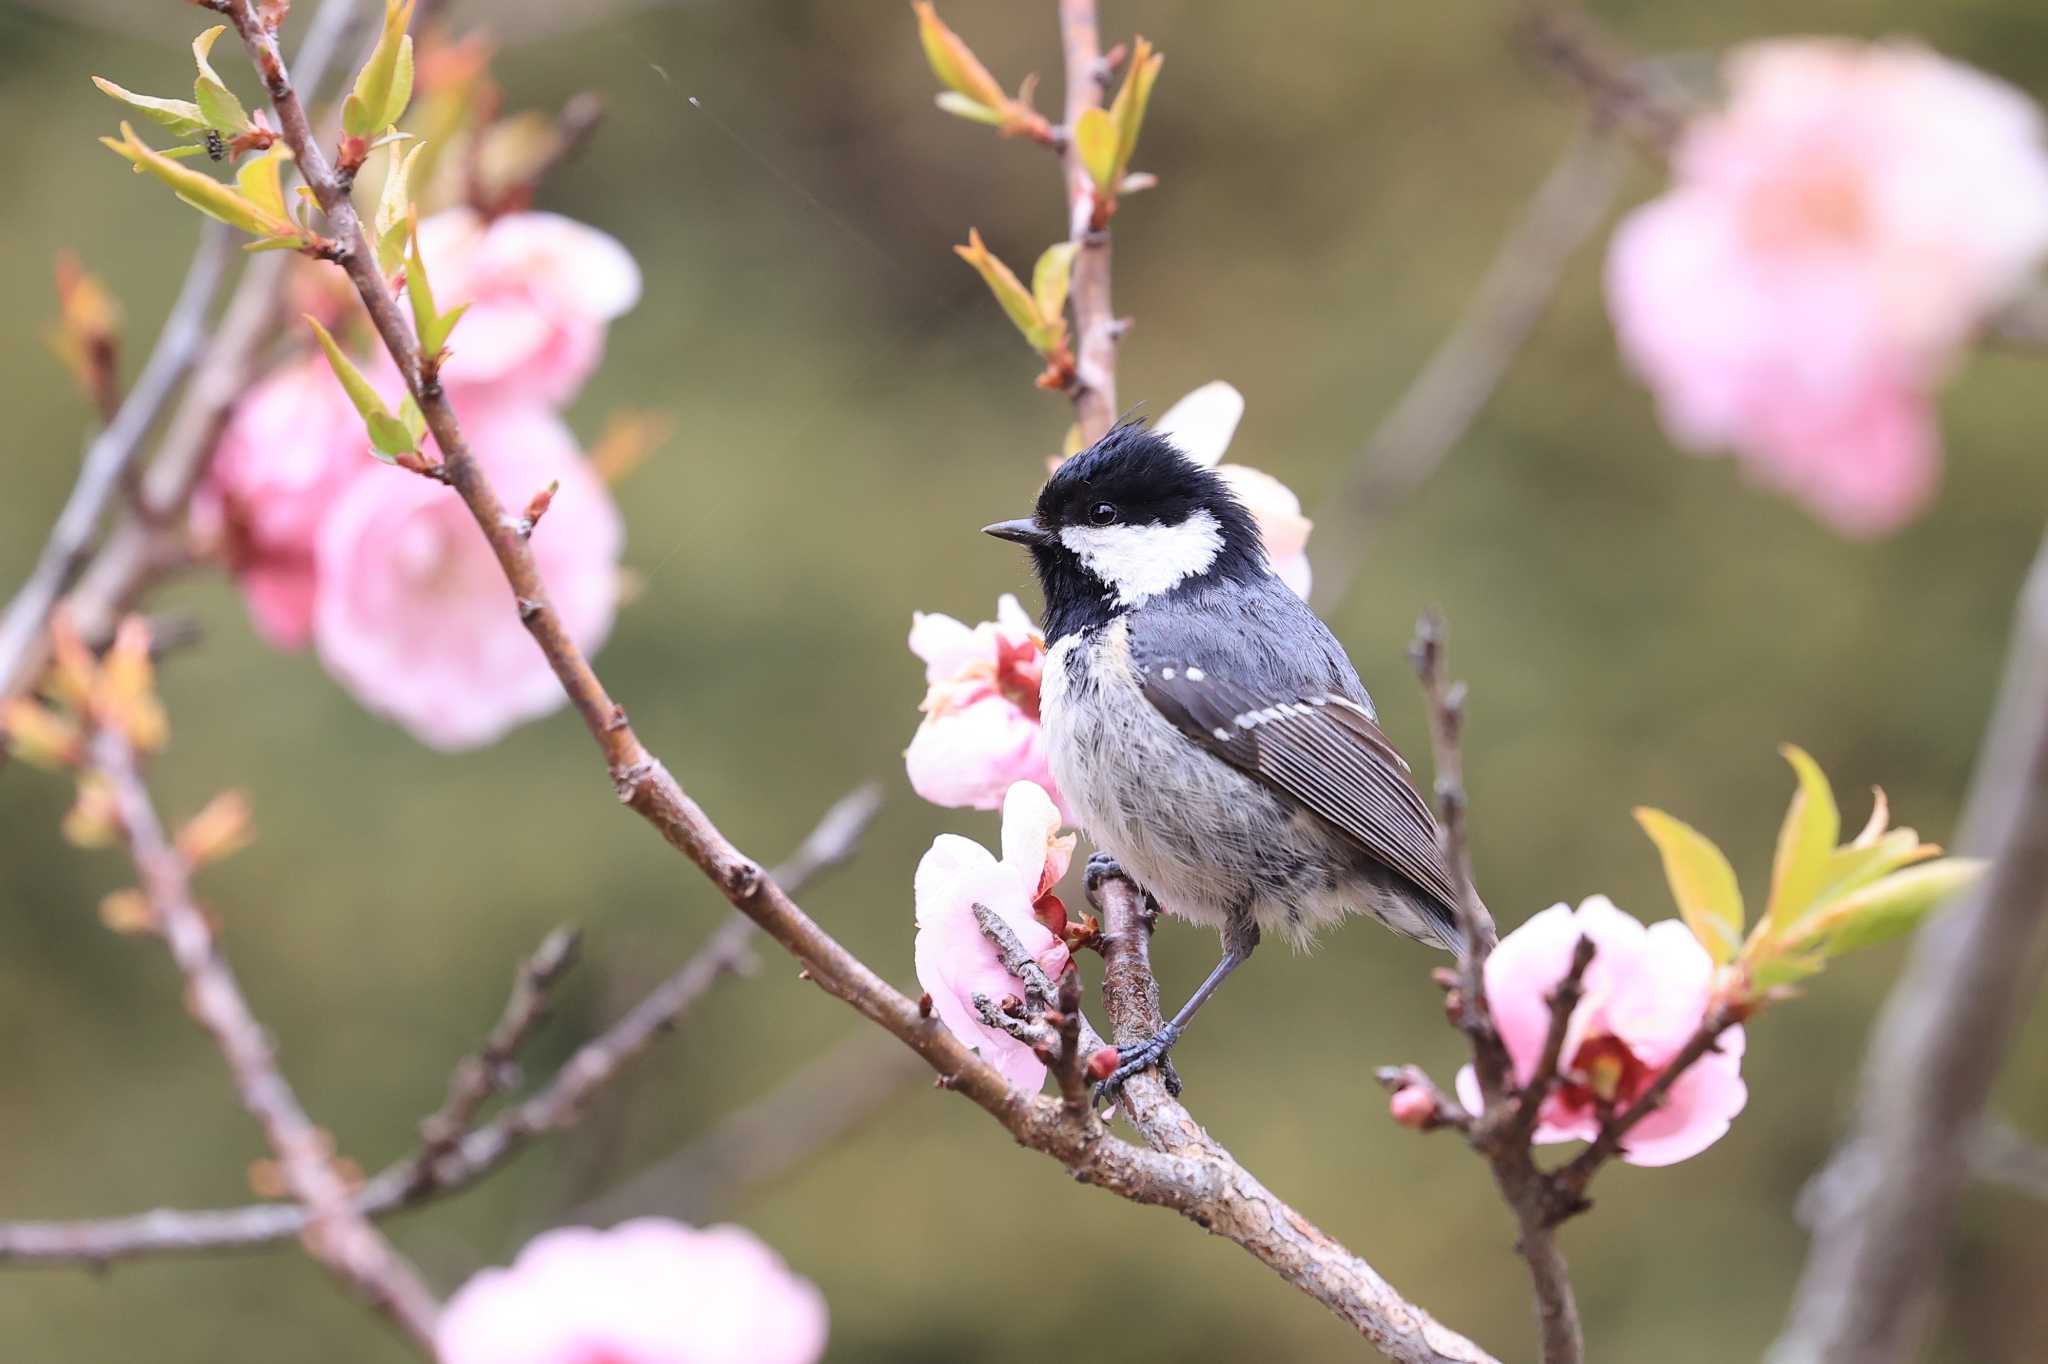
(431, 325)
(259, 182)
(1851, 868)
(203, 192)
(1008, 289)
(384, 86)
(1701, 880)
(1095, 138)
(1885, 909)
(1788, 969)
(389, 226)
(953, 62)
(1131, 101)
(966, 106)
(217, 104)
(1050, 278)
(181, 116)
(1805, 841)
(389, 437)
(414, 420)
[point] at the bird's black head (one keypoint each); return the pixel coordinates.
(1129, 519)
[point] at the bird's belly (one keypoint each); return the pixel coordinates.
(1207, 840)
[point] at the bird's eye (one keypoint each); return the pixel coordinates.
(1102, 514)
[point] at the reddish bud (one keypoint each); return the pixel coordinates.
(1103, 1063)
(1413, 1106)
(924, 1005)
(1049, 910)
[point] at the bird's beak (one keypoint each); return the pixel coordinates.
(1023, 532)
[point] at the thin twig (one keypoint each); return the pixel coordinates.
(1625, 91)
(1096, 328)
(148, 541)
(1436, 411)
(1500, 1132)
(756, 1145)
(336, 1232)
(110, 456)
(492, 1068)
(455, 1164)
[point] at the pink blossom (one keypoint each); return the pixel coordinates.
(412, 613)
(1831, 239)
(540, 287)
(955, 961)
(1645, 992)
(980, 731)
(291, 445)
(1201, 425)
(649, 1291)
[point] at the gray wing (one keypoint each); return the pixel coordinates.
(1299, 724)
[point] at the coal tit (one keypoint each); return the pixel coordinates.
(1204, 726)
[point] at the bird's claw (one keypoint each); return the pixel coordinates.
(1140, 1056)
(1103, 868)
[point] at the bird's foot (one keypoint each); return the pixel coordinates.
(1140, 1056)
(1102, 867)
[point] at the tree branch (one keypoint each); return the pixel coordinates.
(336, 1232)
(1939, 1043)
(446, 1163)
(1096, 328)
(1436, 411)
(109, 457)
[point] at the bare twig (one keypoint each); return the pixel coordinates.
(1439, 407)
(492, 1067)
(574, 127)
(148, 541)
(758, 1144)
(1624, 90)
(448, 1163)
(1096, 328)
(1247, 1212)
(109, 457)
(1940, 1041)
(1501, 1131)
(336, 1232)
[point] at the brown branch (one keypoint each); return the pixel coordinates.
(148, 542)
(1500, 1132)
(493, 1067)
(761, 1142)
(1624, 90)
(109, 458)
(336, 1232)
(445, 1165)
(1096, 329)
(1436, 411)
(1940, 1041)
(1203, 1185)
(1243, 1209)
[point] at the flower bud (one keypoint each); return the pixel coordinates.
(1413, 1106)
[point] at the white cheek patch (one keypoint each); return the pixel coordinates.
(1139, 562)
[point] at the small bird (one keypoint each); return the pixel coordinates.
(1207, 730)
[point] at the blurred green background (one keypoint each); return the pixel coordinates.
(1637, 627)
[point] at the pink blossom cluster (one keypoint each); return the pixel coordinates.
(1646, 991)
(381, 570)
(1831, 240)
(980, 732)
(955, 959)
(645, 1292)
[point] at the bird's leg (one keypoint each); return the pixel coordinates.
(1240, 936)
